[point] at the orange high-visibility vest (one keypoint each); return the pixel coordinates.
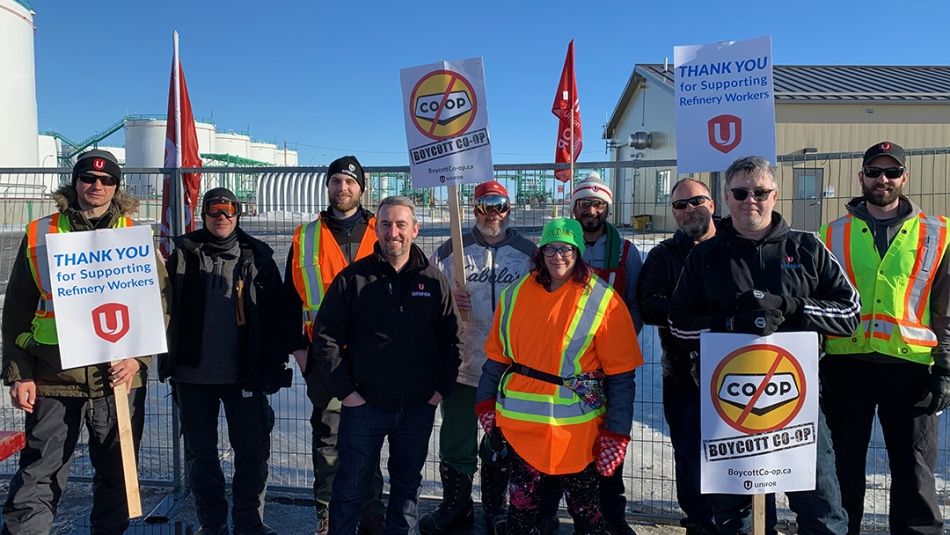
(317, 259)
(44, 322)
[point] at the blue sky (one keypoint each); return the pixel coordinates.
(324, 76)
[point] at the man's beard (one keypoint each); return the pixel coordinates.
(345, 205)
(593, 224)
(490, 231)
(871, 196)
(697, 225)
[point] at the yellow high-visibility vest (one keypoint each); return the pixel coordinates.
(895, 290)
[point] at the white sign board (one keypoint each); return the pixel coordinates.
(447, 123)
(725, 104)
(105, 295)
(759, 412)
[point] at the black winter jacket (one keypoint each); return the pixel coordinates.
(655, 287)
(787, 263)
(261, 357)
(392, 337)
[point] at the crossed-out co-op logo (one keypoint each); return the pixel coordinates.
(443, 104)
(758, 388)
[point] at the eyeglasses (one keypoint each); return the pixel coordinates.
(759, 194)
(107, 180)
(487, 204)
(889, 172)
(587, 203)
(692, 201)
(564, 251)
(217, 209)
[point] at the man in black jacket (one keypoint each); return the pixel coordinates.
(223, 349)
(692, 206)
(757, 276)
(387, 337)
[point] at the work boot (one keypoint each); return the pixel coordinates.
(213, 530)
(372, 525)
(549, 525)
(495, 496)
(456, 509)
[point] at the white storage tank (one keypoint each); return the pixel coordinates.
(263, 152)
(231, 143)
(47, 151)
(18, 128)
(286, 158)
(145, 147)
(118, 152)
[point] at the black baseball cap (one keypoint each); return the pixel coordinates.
(885, 148)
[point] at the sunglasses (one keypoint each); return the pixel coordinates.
(492, 203)
(217, 209)
(587, 203)
(108, 180)
(692, 201)
(759, 194)
(889, 172)
(565, 251)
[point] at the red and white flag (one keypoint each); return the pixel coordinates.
(181, 150)
(566, 107)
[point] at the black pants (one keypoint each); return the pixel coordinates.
(681, 408)
(325, 422)
(852, 389)
(250, 421)
(52, 431)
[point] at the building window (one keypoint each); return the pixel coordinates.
(807, 183)
(663, 186)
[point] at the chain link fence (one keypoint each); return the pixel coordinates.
(813, 190)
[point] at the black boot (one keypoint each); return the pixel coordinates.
(494, 474)
(456, 509)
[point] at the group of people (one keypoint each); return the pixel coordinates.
(538, 347)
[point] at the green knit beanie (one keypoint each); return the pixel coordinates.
(565, 230)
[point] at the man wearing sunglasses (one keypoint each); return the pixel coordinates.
(617, 261)
(758, 276)
(342, 234)
(898, 362)
(494, 257)
(57, 401)
(692, 206)
(224, 348)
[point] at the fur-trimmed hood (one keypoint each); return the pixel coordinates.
(65, 199)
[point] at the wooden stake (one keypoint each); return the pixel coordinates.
(758, 514)
(127, 446)
(458, 252)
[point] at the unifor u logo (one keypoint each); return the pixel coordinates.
(111, 321)
(725, 132)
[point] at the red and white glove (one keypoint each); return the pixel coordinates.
(611, 449)
(485, 410)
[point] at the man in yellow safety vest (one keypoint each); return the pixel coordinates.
(898, 361)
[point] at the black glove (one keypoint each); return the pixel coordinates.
(939, 389)
(760, 322)
(759, 300)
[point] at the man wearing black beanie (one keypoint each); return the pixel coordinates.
(57, 400)
(344, 232)
(223, 348)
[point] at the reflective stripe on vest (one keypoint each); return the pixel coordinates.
(565, 407)
(313, 242)
(895, 296)
(44, 322)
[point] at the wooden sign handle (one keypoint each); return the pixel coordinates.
(127, 446)
(458, 250)
(758, 514)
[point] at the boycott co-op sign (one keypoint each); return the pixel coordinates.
(725, 103)
(759, 412)
(447, 123)
(106, 295)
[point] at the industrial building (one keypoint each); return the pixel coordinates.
(819, 110)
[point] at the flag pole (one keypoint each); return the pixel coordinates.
(179, 198)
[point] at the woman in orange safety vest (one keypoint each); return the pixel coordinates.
(558, 385)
